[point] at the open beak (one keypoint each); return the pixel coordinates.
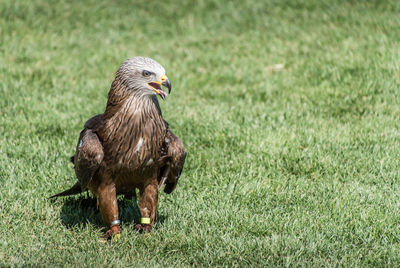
(156, 86)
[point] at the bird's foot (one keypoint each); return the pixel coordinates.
(146, 228)
(113, 233)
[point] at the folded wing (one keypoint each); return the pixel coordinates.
(174, 161)
(88, 156)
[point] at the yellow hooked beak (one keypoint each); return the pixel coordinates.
(156, 86)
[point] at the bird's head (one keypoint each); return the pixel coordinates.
(144, 76)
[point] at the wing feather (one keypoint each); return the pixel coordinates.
(88, 156)
(174, 162)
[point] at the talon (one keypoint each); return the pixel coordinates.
(146, 228)
(112, 234)
(116, 237)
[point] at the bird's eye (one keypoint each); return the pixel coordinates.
(146, 73)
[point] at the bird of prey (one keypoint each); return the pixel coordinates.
(129, 146)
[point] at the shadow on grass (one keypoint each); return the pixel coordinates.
(81, 210)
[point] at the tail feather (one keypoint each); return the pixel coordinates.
(76, 189)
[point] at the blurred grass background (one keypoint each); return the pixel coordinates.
(291, 167)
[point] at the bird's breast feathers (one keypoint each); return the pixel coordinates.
(140, 147)
(133, 138)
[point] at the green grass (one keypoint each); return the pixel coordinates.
(298, 167)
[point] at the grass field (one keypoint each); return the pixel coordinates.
(296, 167)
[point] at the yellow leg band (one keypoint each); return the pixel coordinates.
(145, 220)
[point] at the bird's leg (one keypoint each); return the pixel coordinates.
(107, 202)
(148, 206)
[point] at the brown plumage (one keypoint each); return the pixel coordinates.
(129, 146)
